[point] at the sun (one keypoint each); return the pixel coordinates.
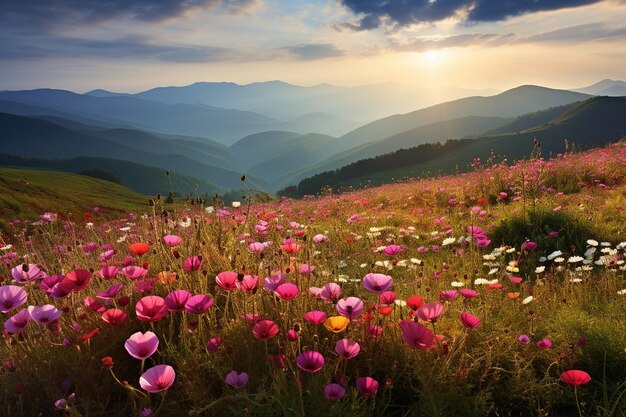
(433, 56)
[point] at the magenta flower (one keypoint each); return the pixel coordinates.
(310, 361)
(18, 322)
(430, 312)
(529, 246)
(177, 299)
(367, 386)
(158, 378)
(108, 272)
(287, 291)
(192, 263)
(110, 292)
(334, 392)
(172, 240)
(330, 292)
(272, 282)
(51, 286)
(350, 307)
(214, 344)
(544, 344)
(94, 305)
(227, 280)
(315, 317)
(347, 348)
(11, 296)
(377, 283)
(448, 295)
(388, 297)
(392, 250)
(237, 380)
(76, 280)
(416, 334)
(249, 283)
(44, 314)
(467, 293)
(25, 273)
(265, 329)
(469, 321)
(524, 339)
(198, 304)
(151, 308)
(142, 345)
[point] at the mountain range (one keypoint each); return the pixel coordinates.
(207, 135)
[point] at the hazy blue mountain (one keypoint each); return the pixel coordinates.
(32, 137)
(104, 93)
(223, 125)
(319, 122)
(514, 102)
(604, 88)
(593, 122)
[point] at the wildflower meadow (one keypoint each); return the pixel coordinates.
(500, 292)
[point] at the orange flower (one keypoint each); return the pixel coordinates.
(139, 248)
(166, 277)
(513, 295)
(336, 324)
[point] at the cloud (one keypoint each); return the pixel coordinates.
(482, 39)
(56, 13)
(313, 51)
(130, 47)
(580, 33)
(372, 13)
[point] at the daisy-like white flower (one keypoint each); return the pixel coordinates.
(540, 269)
(622, 292)
(592, 242)
(559, 259)
(400, 303)
(554, 254)
(457, 284)
(575, 259)
(528, 299)
(448, 241)
(492, 271)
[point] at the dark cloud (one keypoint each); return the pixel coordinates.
(313, 51)
(405, 12)
(127, 47)
(56, 13)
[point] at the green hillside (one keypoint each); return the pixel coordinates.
(25, 194)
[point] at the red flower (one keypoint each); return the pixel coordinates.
(139, 248)
(575, 377)
(90, 334)
(107, 362)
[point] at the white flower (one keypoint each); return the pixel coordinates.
(342, 278)
(540, 269)
(492, 271)
(512, 268)
(402, 263)
(554, 254)
(489, 257)
(575, 259)
(480, 281)
(621, 292)
(342, 264)
(363, 266)
(587, 268)
(457, 284)
(559, 259)
(448, 241)
(416, 261)
(235, 204)
(542, 259)
(6, 247)
(121, 239)
(589, 252)
(527, 299)
(89, 225)
(621, 245)
(605, 244)
(400, 303)
(510, 250)
(592, 242)
(209, 209)
(124, 229)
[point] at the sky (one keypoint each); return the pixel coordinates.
(134, 45)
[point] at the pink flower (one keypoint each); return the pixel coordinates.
(467, 293)
(25, 273)
(227, 280)
(448, 295)
(176, 300)
(392, 250)
(287, 291)
(306, 269)
(416, 334)
(319, 238)
(134, 272)
(172, 240)
(544, 344)
(272, 282)
(347, 348)
(198, 304)
(330, 292)
(192, 263)
(76, 280)
(469, 321)
(315, 317)
(151, 308)
(237, 380)
(334, 392)
(265, 329)
(310, 361)
(142, 345)
(18, 322)
(575, 377)
(110, 292)
(388, 297)
(377, 283)
(158, 378)
(94, 305)
(114, 316)
(524, 339)
(256, 247)
(214, 344)
(11, 296)
(430, 312)
(367, 386)
(108, 272)
(248, 283)
(350, 307)
(45, 314)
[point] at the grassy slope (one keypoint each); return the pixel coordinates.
(27, 193)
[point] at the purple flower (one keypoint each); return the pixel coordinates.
(524, 339)
(334, 392)
(367, 386)
(350, 307)
(377, 283)
(310, 361)
(237, 380)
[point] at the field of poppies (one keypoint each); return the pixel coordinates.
(500, 292)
